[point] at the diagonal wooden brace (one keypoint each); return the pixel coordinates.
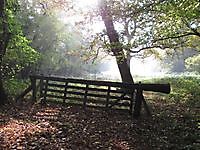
(138, 103)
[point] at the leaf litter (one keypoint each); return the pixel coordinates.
(60, 127)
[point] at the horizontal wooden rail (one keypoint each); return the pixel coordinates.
(164, 88)
(92, 92)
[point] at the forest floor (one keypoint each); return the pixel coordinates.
(59, 127)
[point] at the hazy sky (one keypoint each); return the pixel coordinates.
(148, 67)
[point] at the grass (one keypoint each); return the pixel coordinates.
(184, 90)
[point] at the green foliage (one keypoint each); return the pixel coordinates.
(15, 86)
(183, 89)
(19, 53)
(18, 56)
(60, 44)
(174, 60)
(152, 25)
(193, 63)
(177, 23)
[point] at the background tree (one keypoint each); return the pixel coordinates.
(177, 27)
(175, 60)
(60, 44)
(141, 27)
(4, 39)
(147, 27)
(177, 23)
(16, 52)
(193, 63)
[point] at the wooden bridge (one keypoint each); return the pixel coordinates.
(94, 93)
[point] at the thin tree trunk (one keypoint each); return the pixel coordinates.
(3, 96)
(4, 38)
(115, 44)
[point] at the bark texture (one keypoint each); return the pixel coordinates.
(116, 47)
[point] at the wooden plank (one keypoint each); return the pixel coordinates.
(54, 96)
(164, 88)
(41, 87)
(27, 90)
(146, 106)
(74, 100)
(52, 78)
(97, 95)
(56, 85)
(65, 92)
(123, 104)
(76, 93)
(45, 90)
(120, 97)
(90, 87)
(96, 89)
(96, 101)
(89, 94)
(73, 87)
(93, 82)
(131, 103)
(82, 81)
(79, 99)
(34, 89)
(138, 102)
(117, 101)
(85, 96)
(108, 96)
(55, 90)
(103, 102)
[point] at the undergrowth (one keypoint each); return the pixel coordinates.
(15, 86)
(184, 90)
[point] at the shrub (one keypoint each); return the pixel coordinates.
(14, 86)
(184, 89)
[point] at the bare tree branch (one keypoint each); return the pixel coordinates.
(176, 37)
(194, 30)
(149, 47)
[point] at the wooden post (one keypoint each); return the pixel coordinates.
(41, 88)
(108, 96)
(21, 96)
(85, 96)
(65, 93)
(131, 101)
(138, 101)
(45, 91)
(34, 88)
(146, 106)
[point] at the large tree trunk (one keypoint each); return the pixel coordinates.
(116, 47)
(4, 38)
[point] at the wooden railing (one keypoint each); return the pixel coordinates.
(95, 93)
